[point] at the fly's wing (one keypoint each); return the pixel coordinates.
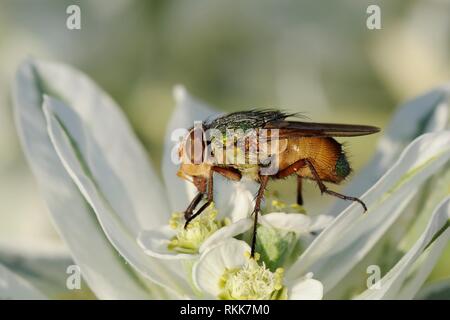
(289, 129)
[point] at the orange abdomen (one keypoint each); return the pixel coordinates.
(325, 154)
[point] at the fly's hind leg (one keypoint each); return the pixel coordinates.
(293, 168)
(323, 188)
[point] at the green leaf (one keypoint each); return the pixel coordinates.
(12, 286)
(275, 246)
(405, 278)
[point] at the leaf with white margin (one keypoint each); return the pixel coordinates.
(427, 113)
(118, 162)
(73, 217)
(45, 269)
(231, 198)
(14, 287)
(352, 234)
(438, 290)
(400, 282)
(422, 268)
(66, 130)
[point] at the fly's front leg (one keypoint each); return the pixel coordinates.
(200, 183)
(229, 173)
(323, 188)
(190, 209)
(259, 197)
(206, 204)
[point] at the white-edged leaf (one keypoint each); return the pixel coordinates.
(106, 273)
(405, 278)
(427, 113)
(437, 290)
(117, 161)
(14, 287)
(352, 234)
(44, 269)
(66, 130)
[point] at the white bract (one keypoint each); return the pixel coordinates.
(118, 219)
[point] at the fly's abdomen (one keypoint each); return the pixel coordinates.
(342, 167)
(325, 154)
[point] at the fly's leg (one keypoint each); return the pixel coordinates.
(204, 206)
(193, 205)
(293, 168)
(259, 197)
(299, 191)
(229, 173)
(323, 188)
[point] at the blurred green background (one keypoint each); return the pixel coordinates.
(317, 57)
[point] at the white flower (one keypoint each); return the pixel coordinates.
(226, 271)
(103, 195)
(173, 241)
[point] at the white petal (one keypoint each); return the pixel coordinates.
(320, 222)
(296, 222)
(122, 236)
(306, 289)
(427, 113)
(155, 243)
(12, 286)
(229, 231)
(187, 110)
(299, 223)
(213, 262)
(74, 219)
(234, 199)
(390, 286)
(352, 234)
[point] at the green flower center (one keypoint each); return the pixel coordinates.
(252, 282)
(190, 239)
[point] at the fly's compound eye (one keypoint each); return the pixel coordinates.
(193, 147)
